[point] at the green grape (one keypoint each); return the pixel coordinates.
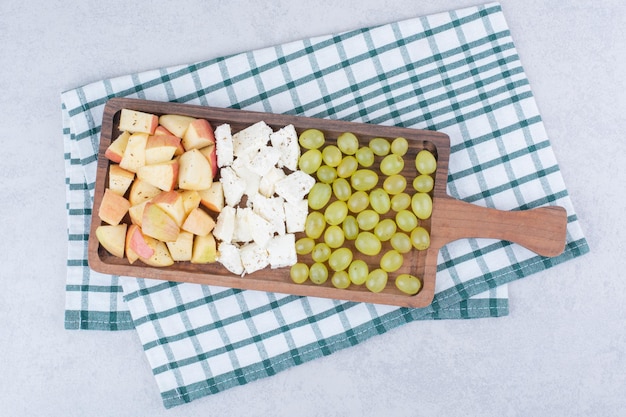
(368, 244)
(406, 220)
(350, 227)
(333, 236)
(348, 143)
(380, 201)
(331, 155)
(347, 166)
(401, 242)
(365, 156)
(326, 174)
(408, 284)
(400, 201)
(358, 271)
(385, 229)
(310, 161)
(335, 212)
(319, 195)
(367, 219)
(392, 164)
(321, 252)
(311, 139)
(376, 280)
(399, 146)
(422, 205)
(391, 261)
(423, 183)
(380, 146)
(314, 224)
(358, 201)
(420, 238)
(425, 162)
(341, 189)
(318, 273)
(340, 259)
(299, 273)
(304, 245)
(364, 179)
(394, 184)
(340, 279)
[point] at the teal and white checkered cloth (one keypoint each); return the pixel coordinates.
(455, 72)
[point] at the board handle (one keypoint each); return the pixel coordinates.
(542, 230)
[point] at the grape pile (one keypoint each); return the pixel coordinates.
(349, 205)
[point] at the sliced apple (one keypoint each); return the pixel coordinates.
(115, 150)
(209, 153)
(160, 130)
(191, 200)
(120, 179)
(213, 198)
(195, 171)
(161, 256)
(156, 223)
(141, 191)
(135, 153)
(176, 123)
(198, 222)
(163, 175)
(204, 250)
(136, 244)
(181, 249)
(161, 148)
(112, 238)
(199, 134)
(138, 122)
(136, 212)
(113, 207)
(172, 203)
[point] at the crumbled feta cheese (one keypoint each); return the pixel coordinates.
(253, 257)
(263, 160)
(232, 185)
(282, 251)
(249, 178)
(294, 186)
(242, 231)
(261, 230)
(251, 138)
(269, 180)
(272, 210)
(295, 215)
(230, 257)
(286, 140)
(224, 145)
(225, 226)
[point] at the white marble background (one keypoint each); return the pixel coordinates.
(560, 352)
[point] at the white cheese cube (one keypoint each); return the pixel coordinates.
(253, 257)
(229, 256)
(225, 225)
(295, 215)
(251, 138)
(271, 209)
(269, 180)
(232, 185)
(286, 140)
(261, 230)
(294, 186)
(282, 251)
(242, 232)
(263, 160)
(224, 145)
(249, 178)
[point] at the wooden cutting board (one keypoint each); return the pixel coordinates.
(542, 230)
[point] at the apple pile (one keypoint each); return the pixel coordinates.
(162, 175)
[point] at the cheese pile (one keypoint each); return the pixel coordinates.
(265, 197)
